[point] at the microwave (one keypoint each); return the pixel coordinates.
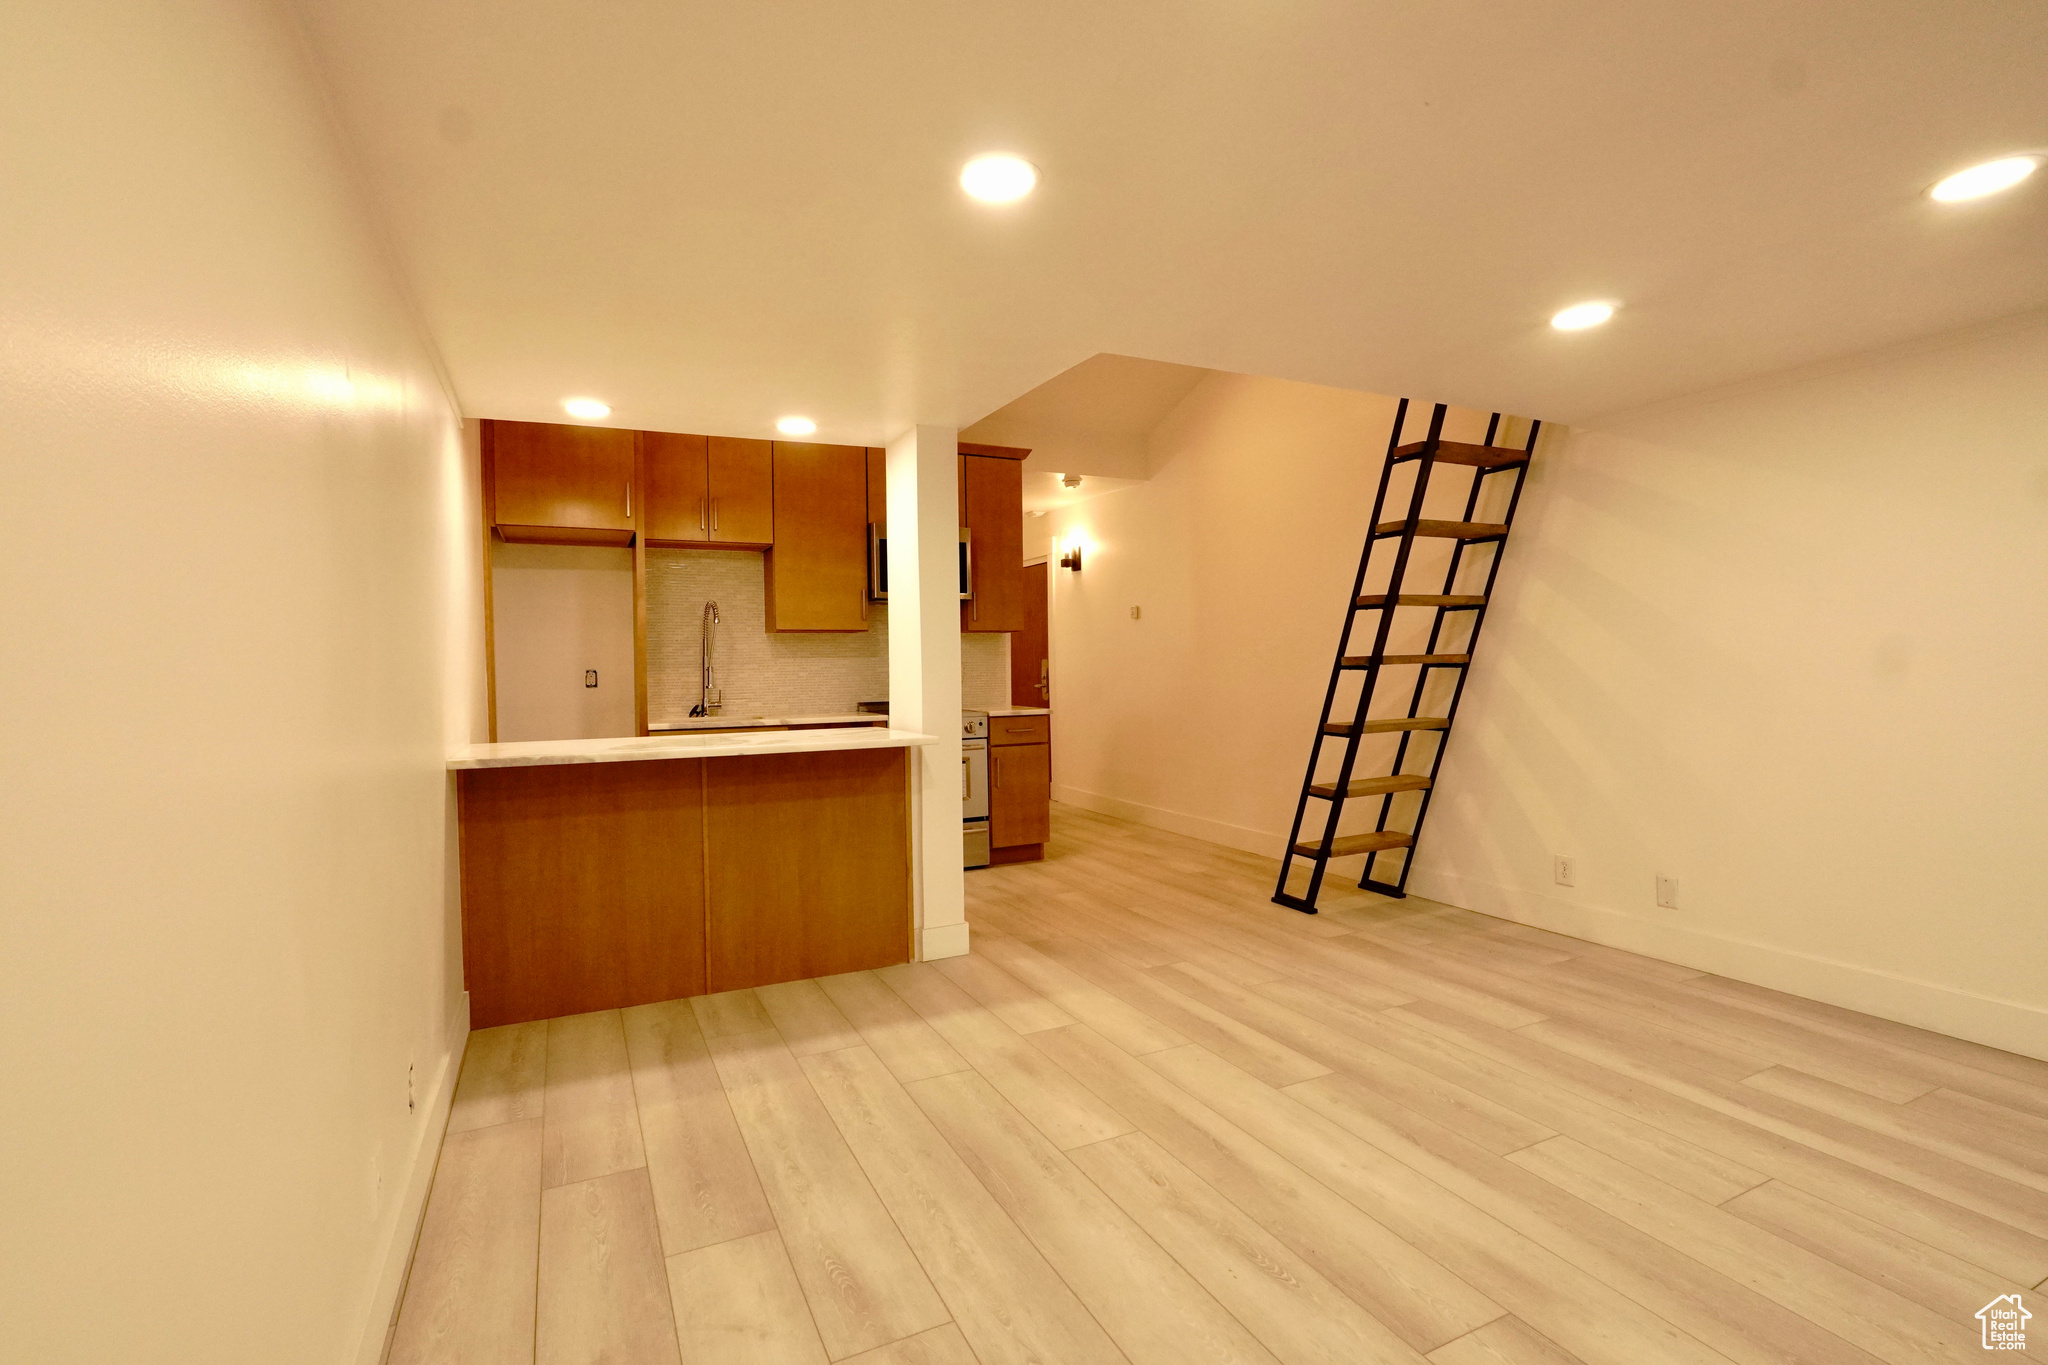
(878, 564)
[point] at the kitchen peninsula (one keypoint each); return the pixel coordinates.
(601, 873)
(684, 634)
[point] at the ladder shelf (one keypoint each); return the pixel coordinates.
(1484, 459)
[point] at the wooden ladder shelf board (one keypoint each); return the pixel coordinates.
(1461, 452)
(1424, 599)
(1390, 726)
(1390, 660)
(1373, 786)
(1447, 530)
(1346, 845)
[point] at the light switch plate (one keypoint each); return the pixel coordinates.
(1667, 891)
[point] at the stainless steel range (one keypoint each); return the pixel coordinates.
(973, 780)
(974, 786)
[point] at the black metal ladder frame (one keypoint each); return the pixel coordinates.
(1354, 733)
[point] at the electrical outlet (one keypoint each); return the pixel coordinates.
(1667, 891)
(1562, 870)
(1135, 612)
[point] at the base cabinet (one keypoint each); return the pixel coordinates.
(592, 886)
(1019, 794)
(809, 866)
(582, 887)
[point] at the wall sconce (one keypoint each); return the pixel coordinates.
(1070, 558)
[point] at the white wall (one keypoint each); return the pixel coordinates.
(557, 611)
(1239, 550)
(238, 617)
(1786, 644)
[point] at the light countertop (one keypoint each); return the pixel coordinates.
(534, 753)
(1020, 710)
(730, 721)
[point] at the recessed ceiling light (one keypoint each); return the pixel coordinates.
(1989, 178)
(998, 178)
(1582, 315)
(589, 409)
(796, 426)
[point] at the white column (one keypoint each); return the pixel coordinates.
(924, 671)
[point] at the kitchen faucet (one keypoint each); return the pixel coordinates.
(711, 700)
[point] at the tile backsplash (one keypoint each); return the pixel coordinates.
(765, 673)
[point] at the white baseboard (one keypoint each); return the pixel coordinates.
(2006, 1024)
(942, 940)
(1265, 843)
(412, 1207)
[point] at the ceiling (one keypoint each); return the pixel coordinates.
(1093, 420)
(712, 215)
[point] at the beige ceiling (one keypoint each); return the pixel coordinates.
(714, 214)
(1094, 420)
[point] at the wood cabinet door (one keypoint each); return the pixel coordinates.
(878, 524)
(993, 493)
(582, 887)
(742, 491)
(678, 495)
(818, 563)
(807, 864)
(1019, 794)
(548, 476)
(878, 491)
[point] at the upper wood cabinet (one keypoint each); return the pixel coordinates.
(817, 565)
(556, 484)
(878, 524)
(878, 490)
(992, 511)
(715, 491)
(742, 491)
(678, 488)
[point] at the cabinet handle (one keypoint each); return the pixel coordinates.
(999, 770)
(702, 523)
(714, 514)
(629, 501)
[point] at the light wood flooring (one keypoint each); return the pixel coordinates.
(1155, 1118)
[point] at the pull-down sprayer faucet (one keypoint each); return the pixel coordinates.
(711, 699)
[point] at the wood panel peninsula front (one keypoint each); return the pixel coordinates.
(610, 872)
